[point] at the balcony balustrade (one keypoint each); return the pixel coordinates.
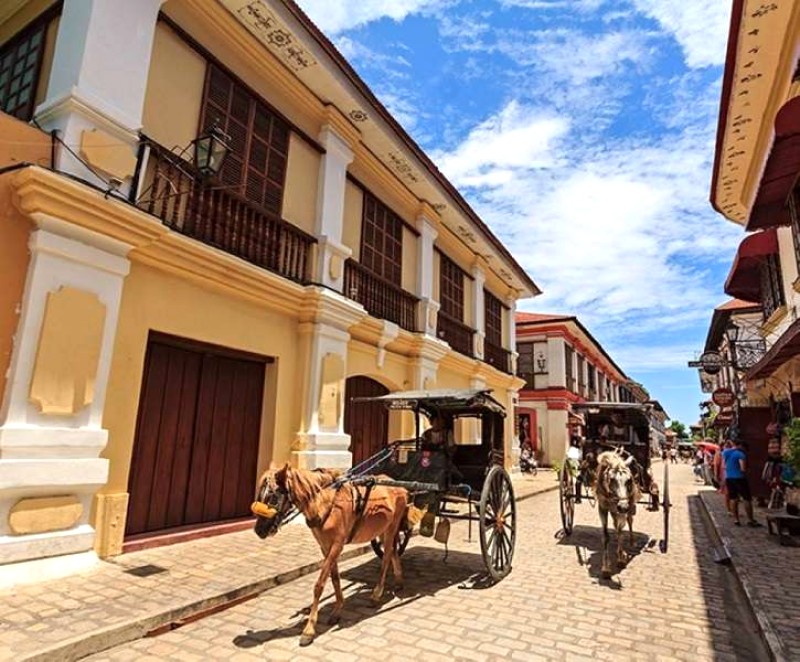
(381, 298)
(496, 356)
(455, 333)
(213, 213)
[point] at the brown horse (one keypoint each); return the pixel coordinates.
(617, 492)
(338, 513)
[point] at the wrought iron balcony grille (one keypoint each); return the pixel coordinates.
(746, 353)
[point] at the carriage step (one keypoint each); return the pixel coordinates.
(447, 511)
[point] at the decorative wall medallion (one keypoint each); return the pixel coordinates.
(505, 274)
(439, 207)
(402, 167)
(764, 9)
(274, 35)
(358, 115)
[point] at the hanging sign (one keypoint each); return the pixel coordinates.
(723, 397)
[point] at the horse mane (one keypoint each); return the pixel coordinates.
(307, 489)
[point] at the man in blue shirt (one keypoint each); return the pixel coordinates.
(736, 482)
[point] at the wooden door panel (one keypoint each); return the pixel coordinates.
(146, 444)
(251, 429)
(179, 400)
(367, 423)
(196, 446)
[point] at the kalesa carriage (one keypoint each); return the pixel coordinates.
(623, 428)
(373, 502)
(451, 481)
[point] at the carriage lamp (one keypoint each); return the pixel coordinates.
(210, 149)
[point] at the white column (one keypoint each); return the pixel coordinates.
(330, 209)
(511, 331)
(478, 308)
(98, 80)
(321, 441)
(51, 447)
(427, 309)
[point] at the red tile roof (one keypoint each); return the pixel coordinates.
(736, 304)
(540, 317)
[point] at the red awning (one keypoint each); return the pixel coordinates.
(785, 348)
(780, 173)
(744, 279)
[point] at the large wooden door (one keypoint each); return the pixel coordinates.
(367, 423)
(753, 422)
(196, 447)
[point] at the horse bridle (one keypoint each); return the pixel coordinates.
(277, 500)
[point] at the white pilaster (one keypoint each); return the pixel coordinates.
(478, 309)
(44, 454)
(556, 365)
(330, 209)
(321, 441)
(99, 73)
(511, 332)
(428, 309)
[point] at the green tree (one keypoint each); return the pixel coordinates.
(678, 428)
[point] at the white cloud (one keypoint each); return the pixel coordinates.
(701, 28)
(334, 16)
(496, 149)
(619, 231)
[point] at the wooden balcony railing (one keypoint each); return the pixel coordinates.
(381, 298)
(497, 356)
(455, 333)
(208, 211)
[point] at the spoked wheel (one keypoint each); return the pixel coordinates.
(566, 492)
(665, 506)
(400, 543)
(497, 523)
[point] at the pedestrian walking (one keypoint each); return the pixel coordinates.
(673, 455)
(735, 461)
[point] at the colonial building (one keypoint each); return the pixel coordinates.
(756, 165)
(172, 322)
(562, 364)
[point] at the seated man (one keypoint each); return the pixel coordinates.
(439, 435)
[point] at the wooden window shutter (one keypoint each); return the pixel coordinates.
(451, 288)
(494, 319)
(256, 164)
(381, 240)
(20, 67)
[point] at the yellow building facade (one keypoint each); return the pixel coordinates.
(169, 334)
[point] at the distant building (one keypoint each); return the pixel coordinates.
(563, 364)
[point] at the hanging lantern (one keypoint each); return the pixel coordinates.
(210, 150)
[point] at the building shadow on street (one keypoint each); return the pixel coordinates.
(588, 544)
(725, 601)
(426, 571)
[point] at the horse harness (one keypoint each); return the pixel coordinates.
(360, 505)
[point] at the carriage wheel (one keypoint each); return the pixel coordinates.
(666, 505)
(566, 492)
(497, 523)
(400, 543)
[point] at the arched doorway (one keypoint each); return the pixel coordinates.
(367, 423)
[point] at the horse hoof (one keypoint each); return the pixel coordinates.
(306, 639)
(605, 574)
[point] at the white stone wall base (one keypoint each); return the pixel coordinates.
(40, 570)
(44, 545)
(323, 459)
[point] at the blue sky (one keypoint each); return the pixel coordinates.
(583, 133)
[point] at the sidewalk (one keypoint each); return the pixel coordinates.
(769, 574)
(126, 597)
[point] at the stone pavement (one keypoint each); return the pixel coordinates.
(770, 575)
(130, 595)
(553, 606)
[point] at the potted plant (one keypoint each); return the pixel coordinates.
(791, 456)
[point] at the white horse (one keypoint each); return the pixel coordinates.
(617, 493)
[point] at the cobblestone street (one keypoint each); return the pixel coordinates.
(552, 606)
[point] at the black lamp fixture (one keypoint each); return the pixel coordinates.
(732, 333)
(210, 149)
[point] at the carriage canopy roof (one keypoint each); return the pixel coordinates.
(633, 412)
(446, 401)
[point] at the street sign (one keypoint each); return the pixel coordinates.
(723, 397)
(723, 418)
